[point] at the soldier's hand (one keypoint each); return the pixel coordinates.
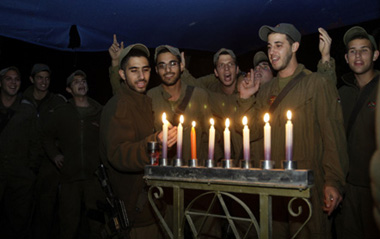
(248, 86)
(324, 44)
(332, 199)
(58, 160)
(172, 135)
(115, 50)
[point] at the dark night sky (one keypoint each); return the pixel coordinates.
(95, 64)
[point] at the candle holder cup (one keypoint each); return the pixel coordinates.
(163, 162)
(289, 164)
(153, 152)
(227, 163)
(177, 162)
(209, 163)
(245, 164)
(267, 164)
(192, 163)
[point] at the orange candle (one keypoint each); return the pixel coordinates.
(193, 142)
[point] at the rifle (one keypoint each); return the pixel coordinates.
(118, 224)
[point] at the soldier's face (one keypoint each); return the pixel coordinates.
(136, 73)
(10, 84)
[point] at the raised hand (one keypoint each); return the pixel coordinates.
(115, 50)
(324, 44)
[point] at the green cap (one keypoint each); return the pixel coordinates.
(284, 28)
(126, 50)
(358, 32)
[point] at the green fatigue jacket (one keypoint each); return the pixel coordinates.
(361, 142)
(46, 105)
(318, 138)
(126, 127)
(375, 168)
(77, 137)
(196, 110)
(223, 106)
(20, 147)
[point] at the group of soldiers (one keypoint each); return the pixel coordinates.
(51, 145)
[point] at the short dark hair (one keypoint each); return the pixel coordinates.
(373, 47)
(132, 53)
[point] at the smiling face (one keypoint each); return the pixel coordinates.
(78, 87)
(41, 81)
(280, 51)
(169, 68)
(226, 70)
(10, 83)
(136, 73)
(360, 55)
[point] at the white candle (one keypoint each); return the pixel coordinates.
(179, 137)
(246, 139)
(211, 140)
(289, 137)
(266, 137)
(164, 136)
(227, 144)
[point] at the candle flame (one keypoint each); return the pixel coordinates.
(266, 117)
(181, 119)
(212, 121)
(245, 120)
(289, 115)
(193, 123)
(164, 117)
(227, 122)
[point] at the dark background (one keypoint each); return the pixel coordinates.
(62, 63)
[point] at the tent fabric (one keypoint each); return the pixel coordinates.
(188, 24)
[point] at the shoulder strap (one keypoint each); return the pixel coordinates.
(360, 102)
(285, 91)
(182, 106)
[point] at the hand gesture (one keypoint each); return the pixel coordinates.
(324, 44)
(115, 50)
(248, 86)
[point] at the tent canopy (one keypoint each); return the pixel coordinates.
(189, 24)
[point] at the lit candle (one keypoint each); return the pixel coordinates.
(227, 146)
(193, 142)
(179, 137)
(211, 140)
(164, 137)
(289, 137)
(246, 139)
(266, 137)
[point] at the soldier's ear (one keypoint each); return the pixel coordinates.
(375, 55)
(122, 74)
(31, 79)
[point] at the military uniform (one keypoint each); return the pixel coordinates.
(319, 139)
(127, 125)
(76, 129)
(361, 144)
(48, 175)
(20, 153)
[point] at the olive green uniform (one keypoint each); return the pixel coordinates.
(319, 139)
(356, 219)
(45, 223)
(20, 154)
